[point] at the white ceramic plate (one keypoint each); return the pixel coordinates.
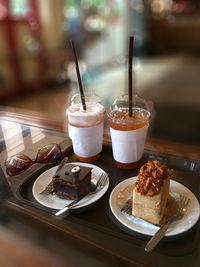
(57, 203)
(143, 227)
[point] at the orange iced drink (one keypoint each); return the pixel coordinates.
(128, 135)
(85, 129)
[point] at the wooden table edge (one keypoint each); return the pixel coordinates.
(153, 144)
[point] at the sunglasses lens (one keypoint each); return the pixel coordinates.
(49, 154)
(17, 164)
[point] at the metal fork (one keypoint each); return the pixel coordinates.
(184, 201)
(100, 183)
(127, 208)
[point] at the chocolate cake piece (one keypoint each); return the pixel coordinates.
(72, 181)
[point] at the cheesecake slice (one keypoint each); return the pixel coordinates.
(151, 192)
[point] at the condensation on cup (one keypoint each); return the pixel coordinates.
(85, 127)
(128, 134)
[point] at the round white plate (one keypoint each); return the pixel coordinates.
(55, 202)
(143, 227)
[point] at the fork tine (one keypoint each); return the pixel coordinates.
(99, 180)
(184, 201)
(187, 203)
(102, 180)
(127, 208)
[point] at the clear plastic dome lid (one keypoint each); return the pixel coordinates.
(93, 114)
(119, 114)
(122, 103)
(89, 97)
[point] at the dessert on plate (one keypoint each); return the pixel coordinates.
(71, 182)
(151, 192)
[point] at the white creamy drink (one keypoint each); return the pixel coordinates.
(94, 114)
(86, 130)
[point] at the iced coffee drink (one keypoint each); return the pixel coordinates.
(86, 127)
(128, 134)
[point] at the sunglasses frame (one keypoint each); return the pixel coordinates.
(15, 170)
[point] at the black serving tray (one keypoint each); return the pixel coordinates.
(97, 218)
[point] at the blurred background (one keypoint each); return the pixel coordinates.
(37, 74)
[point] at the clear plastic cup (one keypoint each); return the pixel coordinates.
(128, 134)
(86, 127)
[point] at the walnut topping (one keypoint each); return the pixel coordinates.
(150, 178)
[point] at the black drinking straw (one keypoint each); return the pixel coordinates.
(78, 75)
(131, 40)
